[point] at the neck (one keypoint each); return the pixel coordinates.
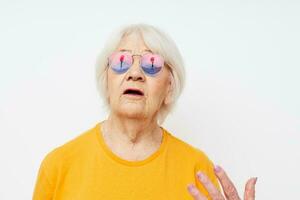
(129, 131)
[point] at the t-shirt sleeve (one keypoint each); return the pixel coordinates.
(45, 181)
(205, 165)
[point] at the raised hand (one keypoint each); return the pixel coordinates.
(230, 192)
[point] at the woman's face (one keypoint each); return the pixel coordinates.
(156, 89)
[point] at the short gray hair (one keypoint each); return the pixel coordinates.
(158, 42)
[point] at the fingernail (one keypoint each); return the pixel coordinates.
(192, 189)
(190, 186)
(255, 180)
(200, 175)
(217, 168)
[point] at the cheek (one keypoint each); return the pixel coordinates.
(113, 85)
(158, 90)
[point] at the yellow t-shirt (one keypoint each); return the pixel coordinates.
(85, 168)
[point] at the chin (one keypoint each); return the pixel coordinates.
(132, 111)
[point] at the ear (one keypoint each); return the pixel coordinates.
(169, 95)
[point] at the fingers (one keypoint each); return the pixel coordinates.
(250, 189)
(195, 192)
(227, 185)
(210, 187)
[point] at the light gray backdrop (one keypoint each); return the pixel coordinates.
(240, 104)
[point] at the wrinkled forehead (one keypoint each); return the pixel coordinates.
(134, 43)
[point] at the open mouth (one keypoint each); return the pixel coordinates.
(132, 91)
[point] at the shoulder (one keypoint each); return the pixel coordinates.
(70, 149)
(183, 148)
(189, 154)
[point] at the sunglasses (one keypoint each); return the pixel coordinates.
(121, 61)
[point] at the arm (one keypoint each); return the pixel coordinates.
(46, 178)
(43, 189)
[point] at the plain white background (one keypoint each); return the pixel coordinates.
(240, 104)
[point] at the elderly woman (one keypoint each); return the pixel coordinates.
(140, 74)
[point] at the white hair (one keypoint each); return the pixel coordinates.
(158, 42)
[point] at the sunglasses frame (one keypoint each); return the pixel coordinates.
(140, 62)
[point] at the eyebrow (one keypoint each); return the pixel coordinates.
(147, 50)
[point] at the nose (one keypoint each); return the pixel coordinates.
(135, 72)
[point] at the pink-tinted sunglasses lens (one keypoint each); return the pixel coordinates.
(120, 62)
(152, 63)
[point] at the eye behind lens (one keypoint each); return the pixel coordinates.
(151, 70)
